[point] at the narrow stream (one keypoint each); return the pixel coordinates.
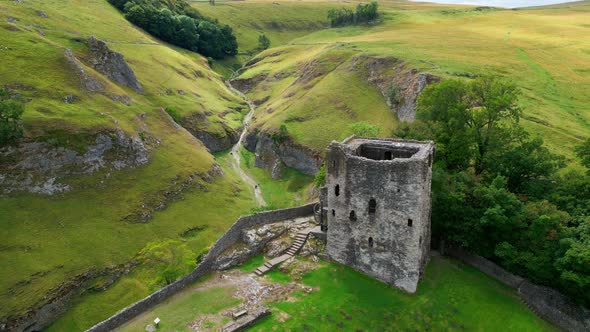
(235, 150)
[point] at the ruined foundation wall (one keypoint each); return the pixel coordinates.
(207, 264)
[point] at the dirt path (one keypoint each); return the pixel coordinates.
(235, 150)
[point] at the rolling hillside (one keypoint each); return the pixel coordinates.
(107, 197)
(69, 227)
(317, 82)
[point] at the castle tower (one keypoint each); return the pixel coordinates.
(378, 207)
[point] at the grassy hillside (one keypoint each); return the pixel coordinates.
(52, 241)
(539, 48)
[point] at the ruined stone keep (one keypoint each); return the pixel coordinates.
(378, 207)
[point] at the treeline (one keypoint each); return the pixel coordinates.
(364, 13)
(497, 191)
(179, 24)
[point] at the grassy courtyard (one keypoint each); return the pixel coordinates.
(452, 296)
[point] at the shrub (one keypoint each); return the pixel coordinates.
(344, 16)
(320, 177)
(177, 23)
(11, 111)
(365, 129)
(173, 114)
(280, 136)
(394, 95)
(263, 42)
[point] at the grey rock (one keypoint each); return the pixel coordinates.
(216, 143)
(277, 170)
(197, 124)
(70, 99)
(250, 140)
(38, 167)
(42, 14)
(270, 155)
(278, 246)
(246, 85)
(258, 237)
(112, 64)
(233, 257)
(89, 82)
(385, 72)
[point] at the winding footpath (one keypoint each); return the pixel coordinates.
(235, 150)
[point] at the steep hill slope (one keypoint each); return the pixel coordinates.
(81, 193)
(317, 86)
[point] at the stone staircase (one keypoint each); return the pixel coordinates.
(300, 239)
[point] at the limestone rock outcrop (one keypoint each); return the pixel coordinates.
(111, 64)
(38, 167)
(197, 124)
(88, 82)
(387, 72)
(273, 156)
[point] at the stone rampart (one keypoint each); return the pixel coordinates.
(547, 303)
(225, 241)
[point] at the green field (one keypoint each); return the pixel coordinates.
(539, 48)
(452, 296)
(291, 189)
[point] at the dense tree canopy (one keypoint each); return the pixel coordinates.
(364, 13)
(179, 24)
(497, 191)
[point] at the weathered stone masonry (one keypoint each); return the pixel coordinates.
(379, 207)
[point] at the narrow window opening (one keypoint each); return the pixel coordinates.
(337, 190)
(430, 159)
(333, 163)
(398, 190)
(333, 212)
(420, 242)
(410, 222)
(352, 216)
(388, 155)
(370, 242)
(372, 206)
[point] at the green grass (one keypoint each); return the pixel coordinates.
(451, 296)
(252, 263)
(161, 243)
(290, 190)
(281, 21)
(176, 312)
(541, 49)
(51, 240)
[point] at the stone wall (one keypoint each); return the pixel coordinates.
(225, 241)
(379, 208)
(547, 303)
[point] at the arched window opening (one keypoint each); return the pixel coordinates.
(352, 216)
(388, 155)
(410, 222)
(372, 206)
(337, 190)
(333, 213)
(370, 242)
